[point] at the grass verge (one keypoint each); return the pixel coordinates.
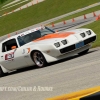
(12, 8)
(6, 4)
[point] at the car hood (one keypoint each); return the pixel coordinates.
(51, 38)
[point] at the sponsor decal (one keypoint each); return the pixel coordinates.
(9, 56)
(27, 50)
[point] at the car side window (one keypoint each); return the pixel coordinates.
(6, 46)
(21, 42)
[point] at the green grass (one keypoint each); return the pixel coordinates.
(40, 12)
(9, 1)
(12, 8)
(95, 26)
(6, 2)
(79, 14)
(2, 1)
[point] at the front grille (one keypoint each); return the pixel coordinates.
(64, 50)
(89, 40)
(72, 47)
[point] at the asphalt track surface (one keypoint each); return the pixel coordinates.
(65, 76)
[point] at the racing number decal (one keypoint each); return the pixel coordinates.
(27, 50)
(9, 56)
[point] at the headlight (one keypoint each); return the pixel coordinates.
(88, 32)
(82, 34)
(57, 44)
(64, 42)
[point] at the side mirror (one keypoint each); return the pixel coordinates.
(13, 47)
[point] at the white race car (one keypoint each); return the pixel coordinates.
(42, 45)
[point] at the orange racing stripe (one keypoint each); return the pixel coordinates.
(55, 35)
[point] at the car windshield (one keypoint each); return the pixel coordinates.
(34, 35)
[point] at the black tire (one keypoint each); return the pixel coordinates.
(1, 73)
(39, 59)
(83, 52)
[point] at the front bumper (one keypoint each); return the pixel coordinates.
(79, 45)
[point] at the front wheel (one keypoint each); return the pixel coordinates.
(39, 59)
(83, 52)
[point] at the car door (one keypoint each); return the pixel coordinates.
(11, 58)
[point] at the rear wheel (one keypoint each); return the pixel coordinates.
(39, 59)
(83, 52)
(1, 73)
